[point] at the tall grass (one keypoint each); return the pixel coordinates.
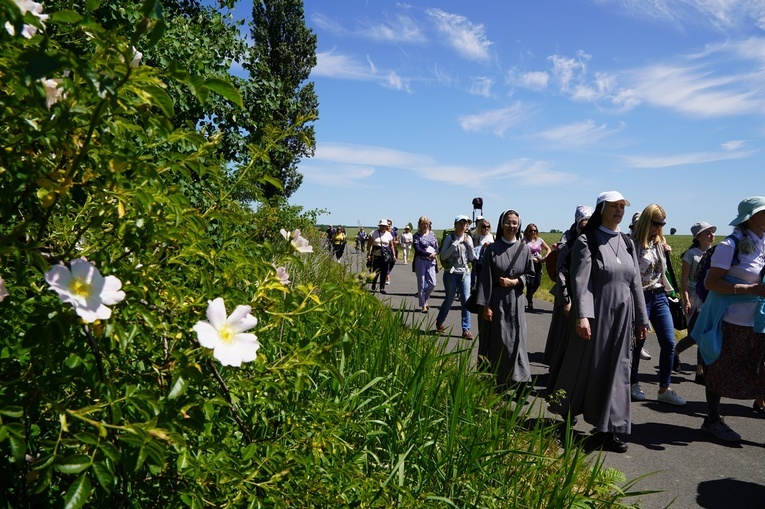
(419, 427)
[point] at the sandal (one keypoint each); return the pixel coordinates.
(757, 408)
(467, 335)
(440, 328)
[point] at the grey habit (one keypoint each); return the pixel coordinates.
(595, 373)
(507, 329)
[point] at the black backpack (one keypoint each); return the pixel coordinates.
(705, 263)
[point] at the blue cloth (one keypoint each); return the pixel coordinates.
(708, 329)
(452, 280)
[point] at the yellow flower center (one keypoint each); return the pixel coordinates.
(80, 287)
(226, 334)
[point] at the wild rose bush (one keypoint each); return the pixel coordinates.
(116, 385)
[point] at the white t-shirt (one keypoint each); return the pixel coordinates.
(747, 269)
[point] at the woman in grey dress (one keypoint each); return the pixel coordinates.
(608, 309)
(506, 268)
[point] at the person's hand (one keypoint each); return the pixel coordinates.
(583, 328)
(641, 331)
(487, 313)
(667, 248)
(687, 307)
(567, 309)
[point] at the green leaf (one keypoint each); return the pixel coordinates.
(110, 451)
(179, 387)
(73, 464)
(160, 99)
(78, 493)
(225, 89)
(92, 5)
(18, 447)
(66, 17)
(12, 411)
(104, 476)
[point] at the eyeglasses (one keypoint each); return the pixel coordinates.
(486, 226)
(657, 223)
(533, 231)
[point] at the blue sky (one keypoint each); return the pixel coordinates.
(535, 105)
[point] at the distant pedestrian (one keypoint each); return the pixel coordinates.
(703, 238)
(361, 239)
(539, 251)
(405, 242)
(506, 268)
(339, 242)
(379, 252)
(458, 250)
(425, 267)
(559, 330)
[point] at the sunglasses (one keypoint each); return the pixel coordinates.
(486, 226)
(657, 223)
(533, 231)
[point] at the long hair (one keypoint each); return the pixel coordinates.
(501, 223)
(643, 228)
(527, 232)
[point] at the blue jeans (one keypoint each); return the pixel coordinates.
(657, 306)
(451, 281)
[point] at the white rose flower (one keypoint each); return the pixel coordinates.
(85, 289)
(226, 335)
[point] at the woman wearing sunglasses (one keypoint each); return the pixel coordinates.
(539, 251)
(652, 250)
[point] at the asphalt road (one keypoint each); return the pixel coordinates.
(688, 467)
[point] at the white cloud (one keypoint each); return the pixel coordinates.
(575, 135)
(402, 29)
(722, 14)
(482, 86)
(536, 80)
(466, 38)
(348, 165)
(330, 65)
(733, 144)
(567, 69)
(683, 159)
(695, 91)
(494, 121)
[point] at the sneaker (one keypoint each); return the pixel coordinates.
(637, 393)
(670, 397)
(645, 355)
(720, 430)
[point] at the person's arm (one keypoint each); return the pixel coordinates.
(546, 249)
(685, 274)
(715, 282)
(449, 246)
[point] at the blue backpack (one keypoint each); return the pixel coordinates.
(705, 263)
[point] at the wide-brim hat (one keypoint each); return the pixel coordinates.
(747, 208)
(382, 222)
(700, 227)
(611, 196)
(461, 218)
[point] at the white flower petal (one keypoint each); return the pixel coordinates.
(3, 290)
(228, 354)
(111, 293)
(207, 335)
(284, 232)
(58, 277)
(216, 312)
(238, 314)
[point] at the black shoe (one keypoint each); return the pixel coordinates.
(699, 379)
(383, 291)
(757, 408)
(611, 442)
(676, 366)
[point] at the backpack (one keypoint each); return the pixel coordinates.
(705, 263)
(444, 262)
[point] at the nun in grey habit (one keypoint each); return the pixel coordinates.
(608, 310)
(506, 267)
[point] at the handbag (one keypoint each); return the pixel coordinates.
(677, 312)
(387, 255)
(679, 321)
(470, 303)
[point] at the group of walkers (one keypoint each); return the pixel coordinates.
(610, 287)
